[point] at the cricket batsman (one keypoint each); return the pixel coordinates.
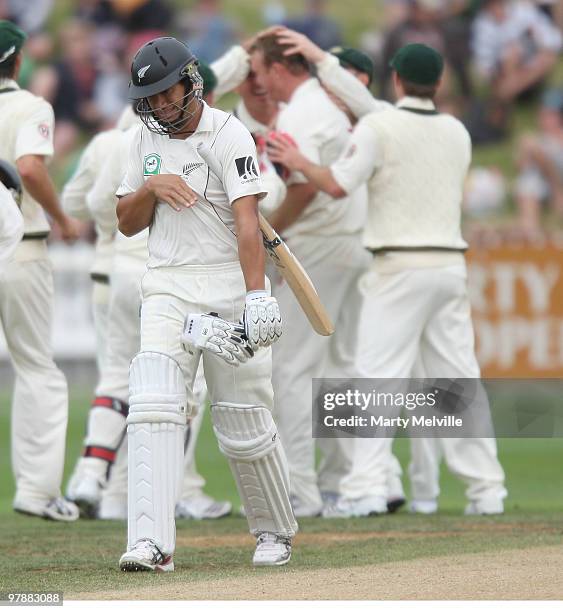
(416, 308)
(205, 271)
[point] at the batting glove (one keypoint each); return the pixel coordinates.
(210, 332)
(261, 319)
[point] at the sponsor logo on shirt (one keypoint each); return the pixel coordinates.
(189, 168)
(246, 168)
(151, 165)
(44, 130)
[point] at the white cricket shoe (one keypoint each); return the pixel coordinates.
(86, 492)
(302, 510)
(272, 549)
(56, 509)
(423, 506)
(484, 507)
(201, 507)
(146, 556)
(349, 508)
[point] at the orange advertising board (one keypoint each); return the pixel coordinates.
(516, 296)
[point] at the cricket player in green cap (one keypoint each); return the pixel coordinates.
(416, 309)
(40, 402)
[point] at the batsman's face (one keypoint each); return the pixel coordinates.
(168, 104)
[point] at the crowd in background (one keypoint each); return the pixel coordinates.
(503, 59)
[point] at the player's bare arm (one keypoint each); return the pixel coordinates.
(281, 150)
(36, 180)
(249, 238)
(298, 197)
(135, 210)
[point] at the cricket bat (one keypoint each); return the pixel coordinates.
(286, 263)
(297, 279)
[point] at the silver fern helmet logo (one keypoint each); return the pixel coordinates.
(142, 71)
(246, 168)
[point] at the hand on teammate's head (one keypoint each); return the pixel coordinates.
(299, 44)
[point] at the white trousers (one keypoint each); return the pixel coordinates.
(169, 295)
(100, 302)
(40, 401)
(422, 316)
(334, 265)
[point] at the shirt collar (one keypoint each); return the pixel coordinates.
(8, 84)
(423, 104)
(205, 121)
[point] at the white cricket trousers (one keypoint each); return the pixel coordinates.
(422, 316)
(40, 401)
(334, 264)
(169, 295)
(100, 305)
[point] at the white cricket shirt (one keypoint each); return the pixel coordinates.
(77, 191)
(415, 161)
(26, 124)
(103, 201)
(321, 132)
(205, 233)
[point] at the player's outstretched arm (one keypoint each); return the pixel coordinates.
(332, 75)
(135, 210)
(36, 180)
(285, 152)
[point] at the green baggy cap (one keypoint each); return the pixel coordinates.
(418, 64)
(352, 58)
(208, 76)
(11, 40)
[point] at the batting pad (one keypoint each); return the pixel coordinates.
(248, 437)
(155, 428)
(105, 431)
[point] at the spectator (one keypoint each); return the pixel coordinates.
(140, 15)
(99, 13)
(315, 24)
(515, 46)
(69, 85)
(207, 31)
(424, 25)
(540, 161)
(30, 16)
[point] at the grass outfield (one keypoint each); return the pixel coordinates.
(81, 559)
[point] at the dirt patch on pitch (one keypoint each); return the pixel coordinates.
(532, 573)
(236, 540)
